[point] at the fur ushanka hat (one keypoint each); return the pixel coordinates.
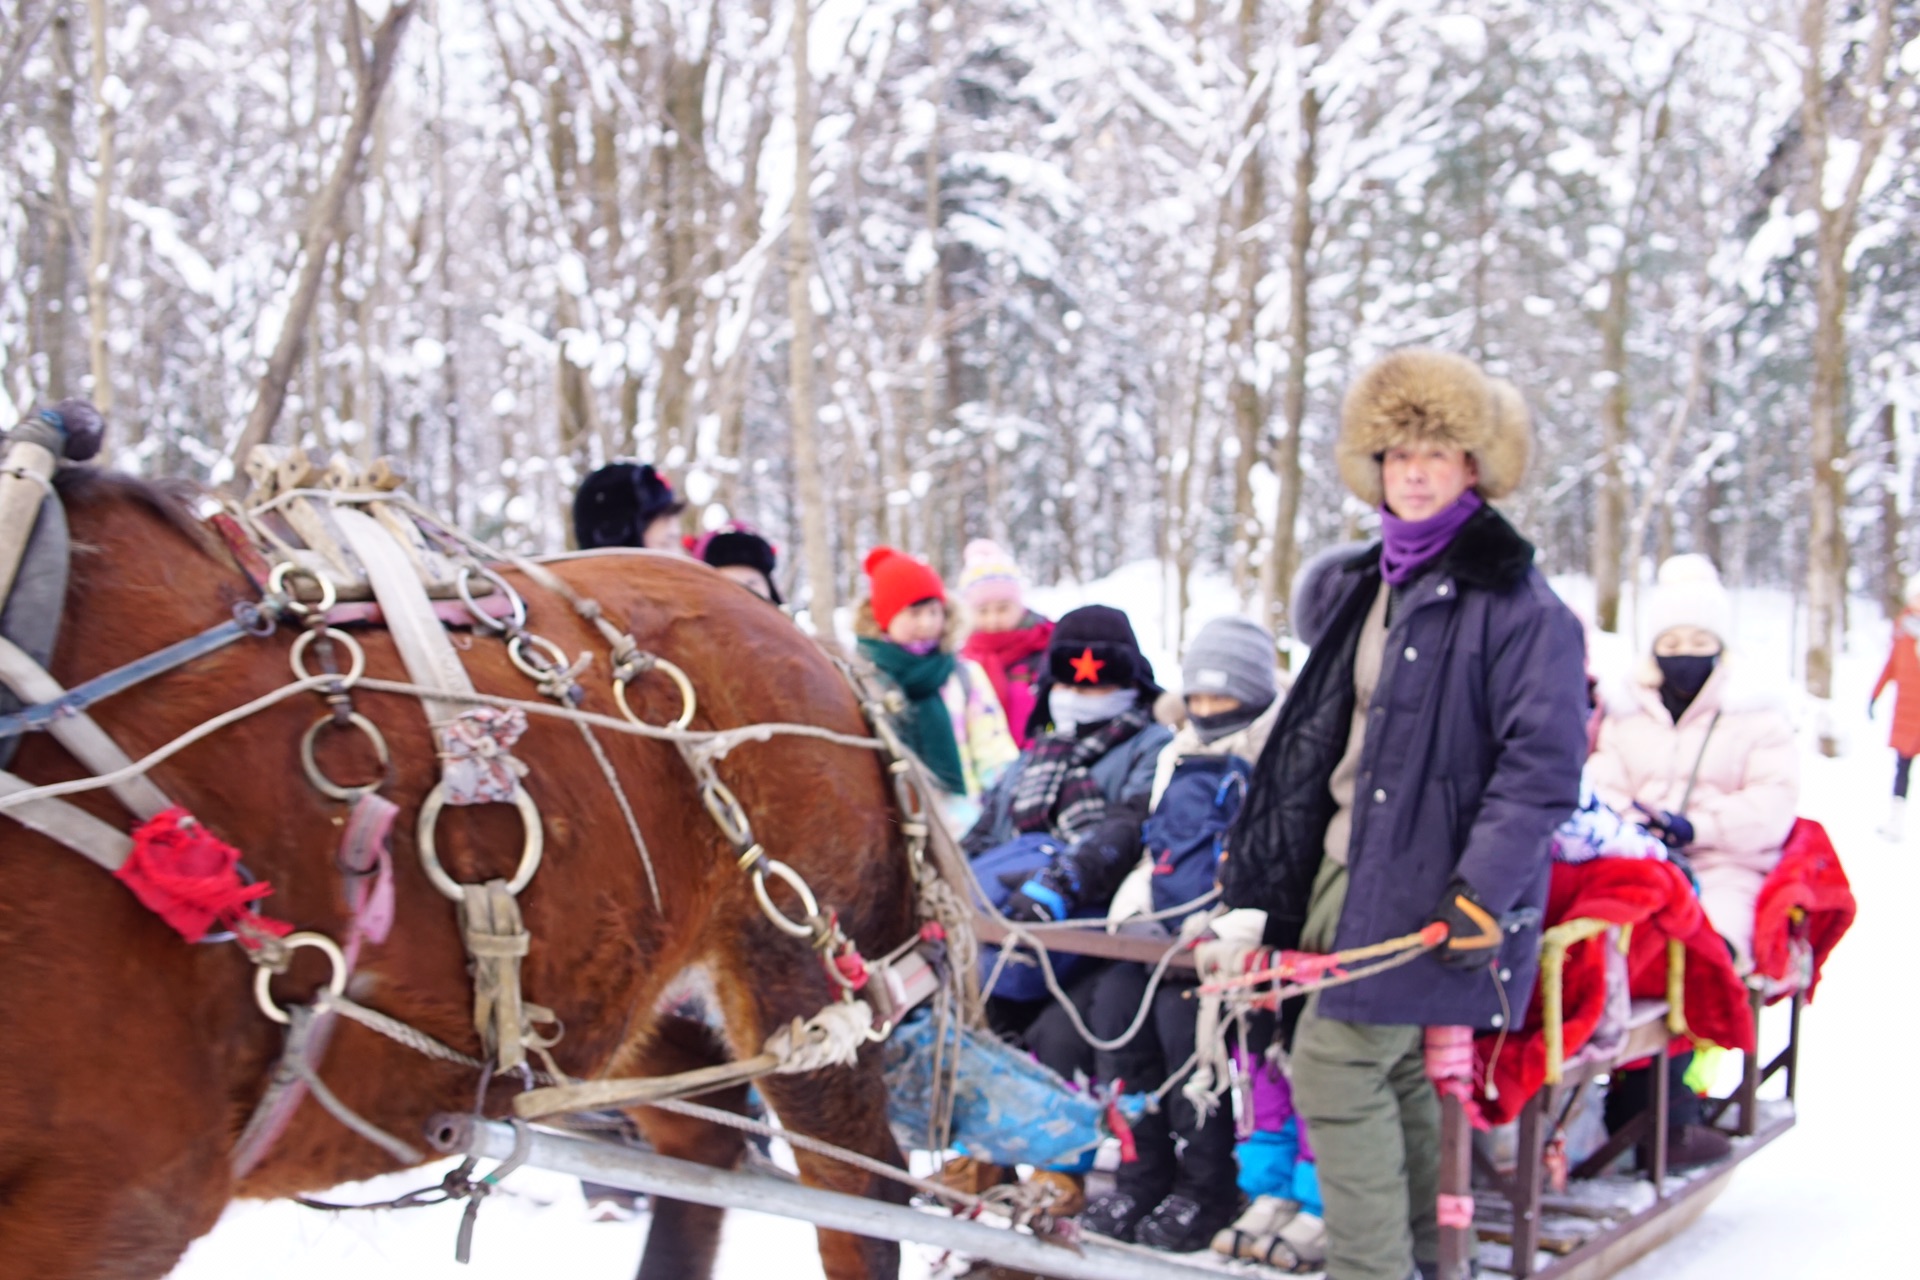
(1419, 395)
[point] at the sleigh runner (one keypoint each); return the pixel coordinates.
(323, 551)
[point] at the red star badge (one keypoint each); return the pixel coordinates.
(1086, 667)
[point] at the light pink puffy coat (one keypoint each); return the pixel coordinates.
(1745, 795)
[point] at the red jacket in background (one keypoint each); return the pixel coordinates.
(1903, 669)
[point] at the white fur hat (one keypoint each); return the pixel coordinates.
(1688, 593)
(1912, 595)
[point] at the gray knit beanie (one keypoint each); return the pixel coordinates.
(1233, 656)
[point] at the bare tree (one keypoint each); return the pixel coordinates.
(106, 122)
(1277, 570)
(1836, 199)
(372, 68)
(815, 538)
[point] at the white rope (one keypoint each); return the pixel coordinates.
(179, 744)
(831, 1038)
(407, 689)
(626, 811)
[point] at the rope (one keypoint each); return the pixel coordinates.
(161, 754)
(265, 701)
(802, 1142)
(626, 811)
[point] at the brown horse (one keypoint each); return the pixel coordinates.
(132, 1058)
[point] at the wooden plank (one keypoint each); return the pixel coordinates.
(1092, 939)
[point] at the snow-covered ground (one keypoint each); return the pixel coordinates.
(1827, 1200)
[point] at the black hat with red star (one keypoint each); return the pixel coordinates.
(1095, 645)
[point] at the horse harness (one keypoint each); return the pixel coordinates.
(329, 548)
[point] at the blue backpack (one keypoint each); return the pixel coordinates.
(1000, 870)
(1187, 831)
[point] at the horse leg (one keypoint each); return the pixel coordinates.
(848, 1107)
(684, 1237)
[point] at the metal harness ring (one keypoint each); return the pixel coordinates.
(543, 651)
(357, 657)
(263, 976)
(430, 859)
(687, 699)
(481, 618)
(327, 786)
(794, 882)
(277, 586)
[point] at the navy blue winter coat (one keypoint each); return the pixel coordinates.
(1474, 745)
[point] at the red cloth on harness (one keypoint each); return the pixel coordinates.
(182, 873)
(1809, 877)
(1656, 899)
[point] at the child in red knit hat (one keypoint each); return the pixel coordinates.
(952, 720)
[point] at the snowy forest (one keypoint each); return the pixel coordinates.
(1088, 276)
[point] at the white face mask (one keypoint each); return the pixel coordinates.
(1071, 709)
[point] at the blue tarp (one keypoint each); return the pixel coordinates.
(1007, 1108)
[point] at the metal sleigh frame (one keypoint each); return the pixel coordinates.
(1516, 1205)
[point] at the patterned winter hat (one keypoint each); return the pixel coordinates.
(615, 505)
(988, 573)
(899, 580)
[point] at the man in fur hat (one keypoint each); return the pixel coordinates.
(1430, 746)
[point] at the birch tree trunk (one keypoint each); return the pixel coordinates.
(100, 241)
(815, 537)
(1276, 572)
(1610, 502)
(372, 69)
(53, 302)
(1892, 579)
(1249, 394)
(1838, 217)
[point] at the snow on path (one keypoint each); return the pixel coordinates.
(1828, 1200)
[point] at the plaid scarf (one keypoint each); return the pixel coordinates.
(1056, 791)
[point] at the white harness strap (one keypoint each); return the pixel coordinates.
(79, 734)
(417, 631)
(69, 824)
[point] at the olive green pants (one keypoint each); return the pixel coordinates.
(1373, 1120)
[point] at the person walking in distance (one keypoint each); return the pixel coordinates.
(1903, 672)
(1419, 766)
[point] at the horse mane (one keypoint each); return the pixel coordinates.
(173, 499)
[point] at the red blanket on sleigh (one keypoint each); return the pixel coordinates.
(1809, 881)
(1655, 898)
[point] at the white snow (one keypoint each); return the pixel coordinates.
(1828, 1199)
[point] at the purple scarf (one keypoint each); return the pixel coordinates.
(1407, 545)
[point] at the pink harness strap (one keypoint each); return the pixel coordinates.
(367, 865)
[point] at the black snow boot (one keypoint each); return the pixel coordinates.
(1113, 1214)
(1180, 1224)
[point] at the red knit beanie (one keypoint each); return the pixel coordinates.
(898, 581)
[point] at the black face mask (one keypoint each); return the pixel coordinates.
(1682, 676)
(1213, 728)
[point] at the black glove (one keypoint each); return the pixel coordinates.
(1674, 830)
(1473, 932)
(1046, 895)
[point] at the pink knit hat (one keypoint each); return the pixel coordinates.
(988, 573)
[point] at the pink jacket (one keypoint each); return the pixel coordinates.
(1745, 795)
